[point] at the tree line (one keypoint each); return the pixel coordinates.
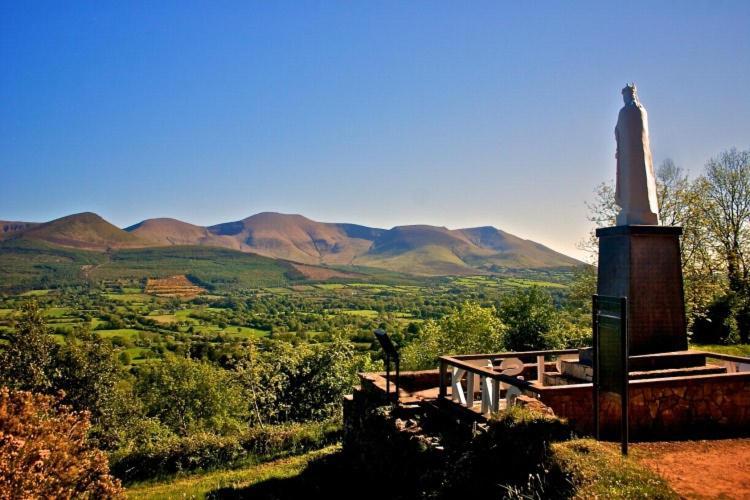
(713, 208)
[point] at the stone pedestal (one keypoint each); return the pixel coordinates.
(642, 263)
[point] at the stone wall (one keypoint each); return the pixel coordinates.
(676, 407)
(426, 450)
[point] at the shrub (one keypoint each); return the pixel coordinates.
(286, 383)
(44, 452)
(469, 329)
(27, 360)
(532, 319)
(208, 451)
(725, 319)
(191, 396)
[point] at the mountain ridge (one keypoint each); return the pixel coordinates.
(418, 249)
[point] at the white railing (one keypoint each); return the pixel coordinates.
(493, 376)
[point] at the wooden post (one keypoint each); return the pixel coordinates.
(540, 370)
(441, 377)
(495, 396)
(469, 390)
(457, 390)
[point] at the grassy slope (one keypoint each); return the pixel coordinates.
(199, 485)
(736, 350)
(211, 266)
(32, 264)
(429, 260)
(592, 469)
(597, 470)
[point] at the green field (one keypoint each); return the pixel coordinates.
(367, 313)
(120, 332)
(148, 327)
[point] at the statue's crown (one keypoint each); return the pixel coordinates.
(629, 89)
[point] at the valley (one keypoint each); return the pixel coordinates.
(149, 318)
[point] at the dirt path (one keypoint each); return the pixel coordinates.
(701, 469)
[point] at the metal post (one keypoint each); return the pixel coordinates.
(387, 375)
(398, 376)
(625, 375)
(595, 362)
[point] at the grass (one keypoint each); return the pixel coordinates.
(736, 350)
(56, 312)
(35, 293)
(163, 318)
(597, 470)
(129, 297)
(138, 354)
(200, 485)
(120, 332)
(330, 286)
(245, 331)
(367, 313)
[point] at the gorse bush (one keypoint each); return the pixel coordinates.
(45, 453)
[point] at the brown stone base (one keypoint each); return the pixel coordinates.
(678, 407)
(642, 263)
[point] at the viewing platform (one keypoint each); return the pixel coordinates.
(678, 394)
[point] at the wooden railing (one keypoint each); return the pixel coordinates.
(467, 371)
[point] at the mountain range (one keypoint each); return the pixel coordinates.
(417, 249)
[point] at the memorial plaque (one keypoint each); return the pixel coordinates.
(611, 369)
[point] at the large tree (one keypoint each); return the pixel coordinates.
(725, 187)
(681, 204)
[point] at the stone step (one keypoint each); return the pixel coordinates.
(679, 372)
(575, 372)
(667, 361)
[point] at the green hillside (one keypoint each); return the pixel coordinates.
(26, 264)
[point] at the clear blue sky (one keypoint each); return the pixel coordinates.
(379, 113)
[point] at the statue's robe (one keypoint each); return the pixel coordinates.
(636, 186)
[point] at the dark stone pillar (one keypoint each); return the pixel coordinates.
(642, 263)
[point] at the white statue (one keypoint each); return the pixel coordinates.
(636, 185)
